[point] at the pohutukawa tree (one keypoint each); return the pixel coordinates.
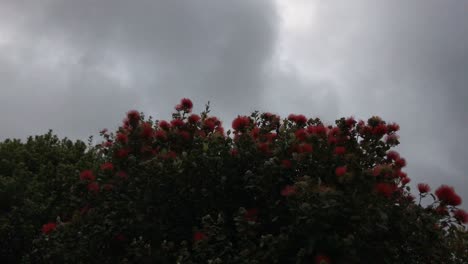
(270, 190)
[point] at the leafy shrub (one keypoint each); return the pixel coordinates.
(270, 191)
(35, 179)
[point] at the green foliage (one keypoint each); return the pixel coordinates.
(35, 179)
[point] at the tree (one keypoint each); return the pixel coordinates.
(269, 191)
(35, 179)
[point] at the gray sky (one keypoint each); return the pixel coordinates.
(78, 66)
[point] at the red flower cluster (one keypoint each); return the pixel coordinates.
(87, 175)
(146, 130)
(386, 189)
(163, 124)
(340, 150)
(317, 130)
(298, 119)
(193, 119)
(461, 216)
(424, 188)
(133, 116)
(393, 155)
(240, 123)
(186, 103)
(340, 171)
(48, 228)
(447, 195)
(400, 162)
(122, 138)
(198, 236)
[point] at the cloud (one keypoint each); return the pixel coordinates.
(102, 57)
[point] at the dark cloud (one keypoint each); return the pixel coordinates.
(118, 53)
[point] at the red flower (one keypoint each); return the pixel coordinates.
(321, 129)
(322, 259)
(240, 123)
(164, 125)
(179, 107)
(122, 153)
(447, 195)
(122, 138)
(400, 162)
(385, 189)
(391, 139)
(288, 190)
(393, 127)
(186, 104)
(305, 148)
(251, 214)
(332, 140)
(198, 236)
(298, 119)
(340, 171)
(461, 216)
(160, 135)
(87, 175)
(209, 124)
(48, 228)
(177, 123)
(393, 155)
(133, 116)
(234, 152)
(340, 150)
(255, 132)
(126, 123)
(405, 180)
(424, 188)
(122, 175)
(146, 131)
(108, 187)
(264, 147)
(379, 130)
(350, 122)
(377, 170)
(286, 164)
(219, 131)
(184, 135)
(401, 174)
(107, 166)
(93, 187)
(301, 134)
(193, 119)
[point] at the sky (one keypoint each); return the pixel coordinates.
(78, 66)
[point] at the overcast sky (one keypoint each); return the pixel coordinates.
(78, 66)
